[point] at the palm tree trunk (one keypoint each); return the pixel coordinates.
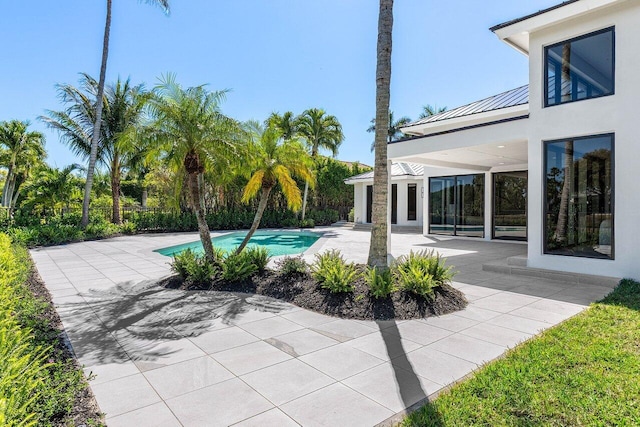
(202, 190)
(115, 190)
(304, 199)
(203, 227)
(95, 137)
(378, 249)
(6, 197)
(563, 214)
(143, 198)
(560, 235)
(264, 198)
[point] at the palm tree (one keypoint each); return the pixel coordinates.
(394, 132)
(22, 151)
(319, 130)
(53, 188)
(122, 106)
(431, 110)
(193, 135)
(286, 123)
(97, 123)
(275, 161)
(378, 248)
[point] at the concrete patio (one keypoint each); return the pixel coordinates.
(163, 357)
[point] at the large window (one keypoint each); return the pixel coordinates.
(580, 68)
(456, 205)
(510, 205)
(579, 197)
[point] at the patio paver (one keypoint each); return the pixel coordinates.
(164, 357)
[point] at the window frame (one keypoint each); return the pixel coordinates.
(545, 85)
(545, 212)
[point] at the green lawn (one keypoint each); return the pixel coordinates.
(585, 371)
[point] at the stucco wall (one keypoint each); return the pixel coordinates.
(616, 113)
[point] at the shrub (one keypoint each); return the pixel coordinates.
(352, 215)
(38, 382)
(128, 227)
(380, 282)
(288, 266)
(421, 272)
(236, 267)
(259, 256)
(333, 272)
(192, 267)
(307, 223)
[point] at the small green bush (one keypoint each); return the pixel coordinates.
(380, 282)
(259, 256)
(421, 272)
(307, 223)
(352, 215)
(236, 267)
(288, 266)
(128, 227)
(192, 267)
(333, 272)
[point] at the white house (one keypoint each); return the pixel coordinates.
(406, 196)
(551, 163)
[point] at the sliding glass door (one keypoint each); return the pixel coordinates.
(456, 205)
(510, 205)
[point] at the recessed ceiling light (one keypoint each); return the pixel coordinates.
(500, 146)
(501, 163)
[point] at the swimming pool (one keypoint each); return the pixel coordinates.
(277, 242)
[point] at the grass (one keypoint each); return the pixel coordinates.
(585, 371)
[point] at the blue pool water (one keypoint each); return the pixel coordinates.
(277, 242)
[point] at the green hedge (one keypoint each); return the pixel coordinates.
(38, 382)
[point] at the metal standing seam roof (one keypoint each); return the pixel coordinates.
(397, 170)
(510, 98)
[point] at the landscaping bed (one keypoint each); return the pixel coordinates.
(356, 300)
(41, 382)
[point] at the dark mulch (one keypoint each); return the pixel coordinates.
(85, 408)
(304, 291)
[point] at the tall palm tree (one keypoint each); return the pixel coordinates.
(394, 132)
(319, 130)
(193, 134)
(286, 123)
(378, 248)
(275, 161)
(431, 110)
(21, 150)
(122, 106)
(97, 123)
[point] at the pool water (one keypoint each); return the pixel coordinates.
(277, 242)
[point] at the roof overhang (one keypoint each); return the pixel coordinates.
(467, 121)
(486, 147)
(352, 181)
(516, 33)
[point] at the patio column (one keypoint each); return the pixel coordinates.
(488, 205)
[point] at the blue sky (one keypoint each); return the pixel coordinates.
(274, 55)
